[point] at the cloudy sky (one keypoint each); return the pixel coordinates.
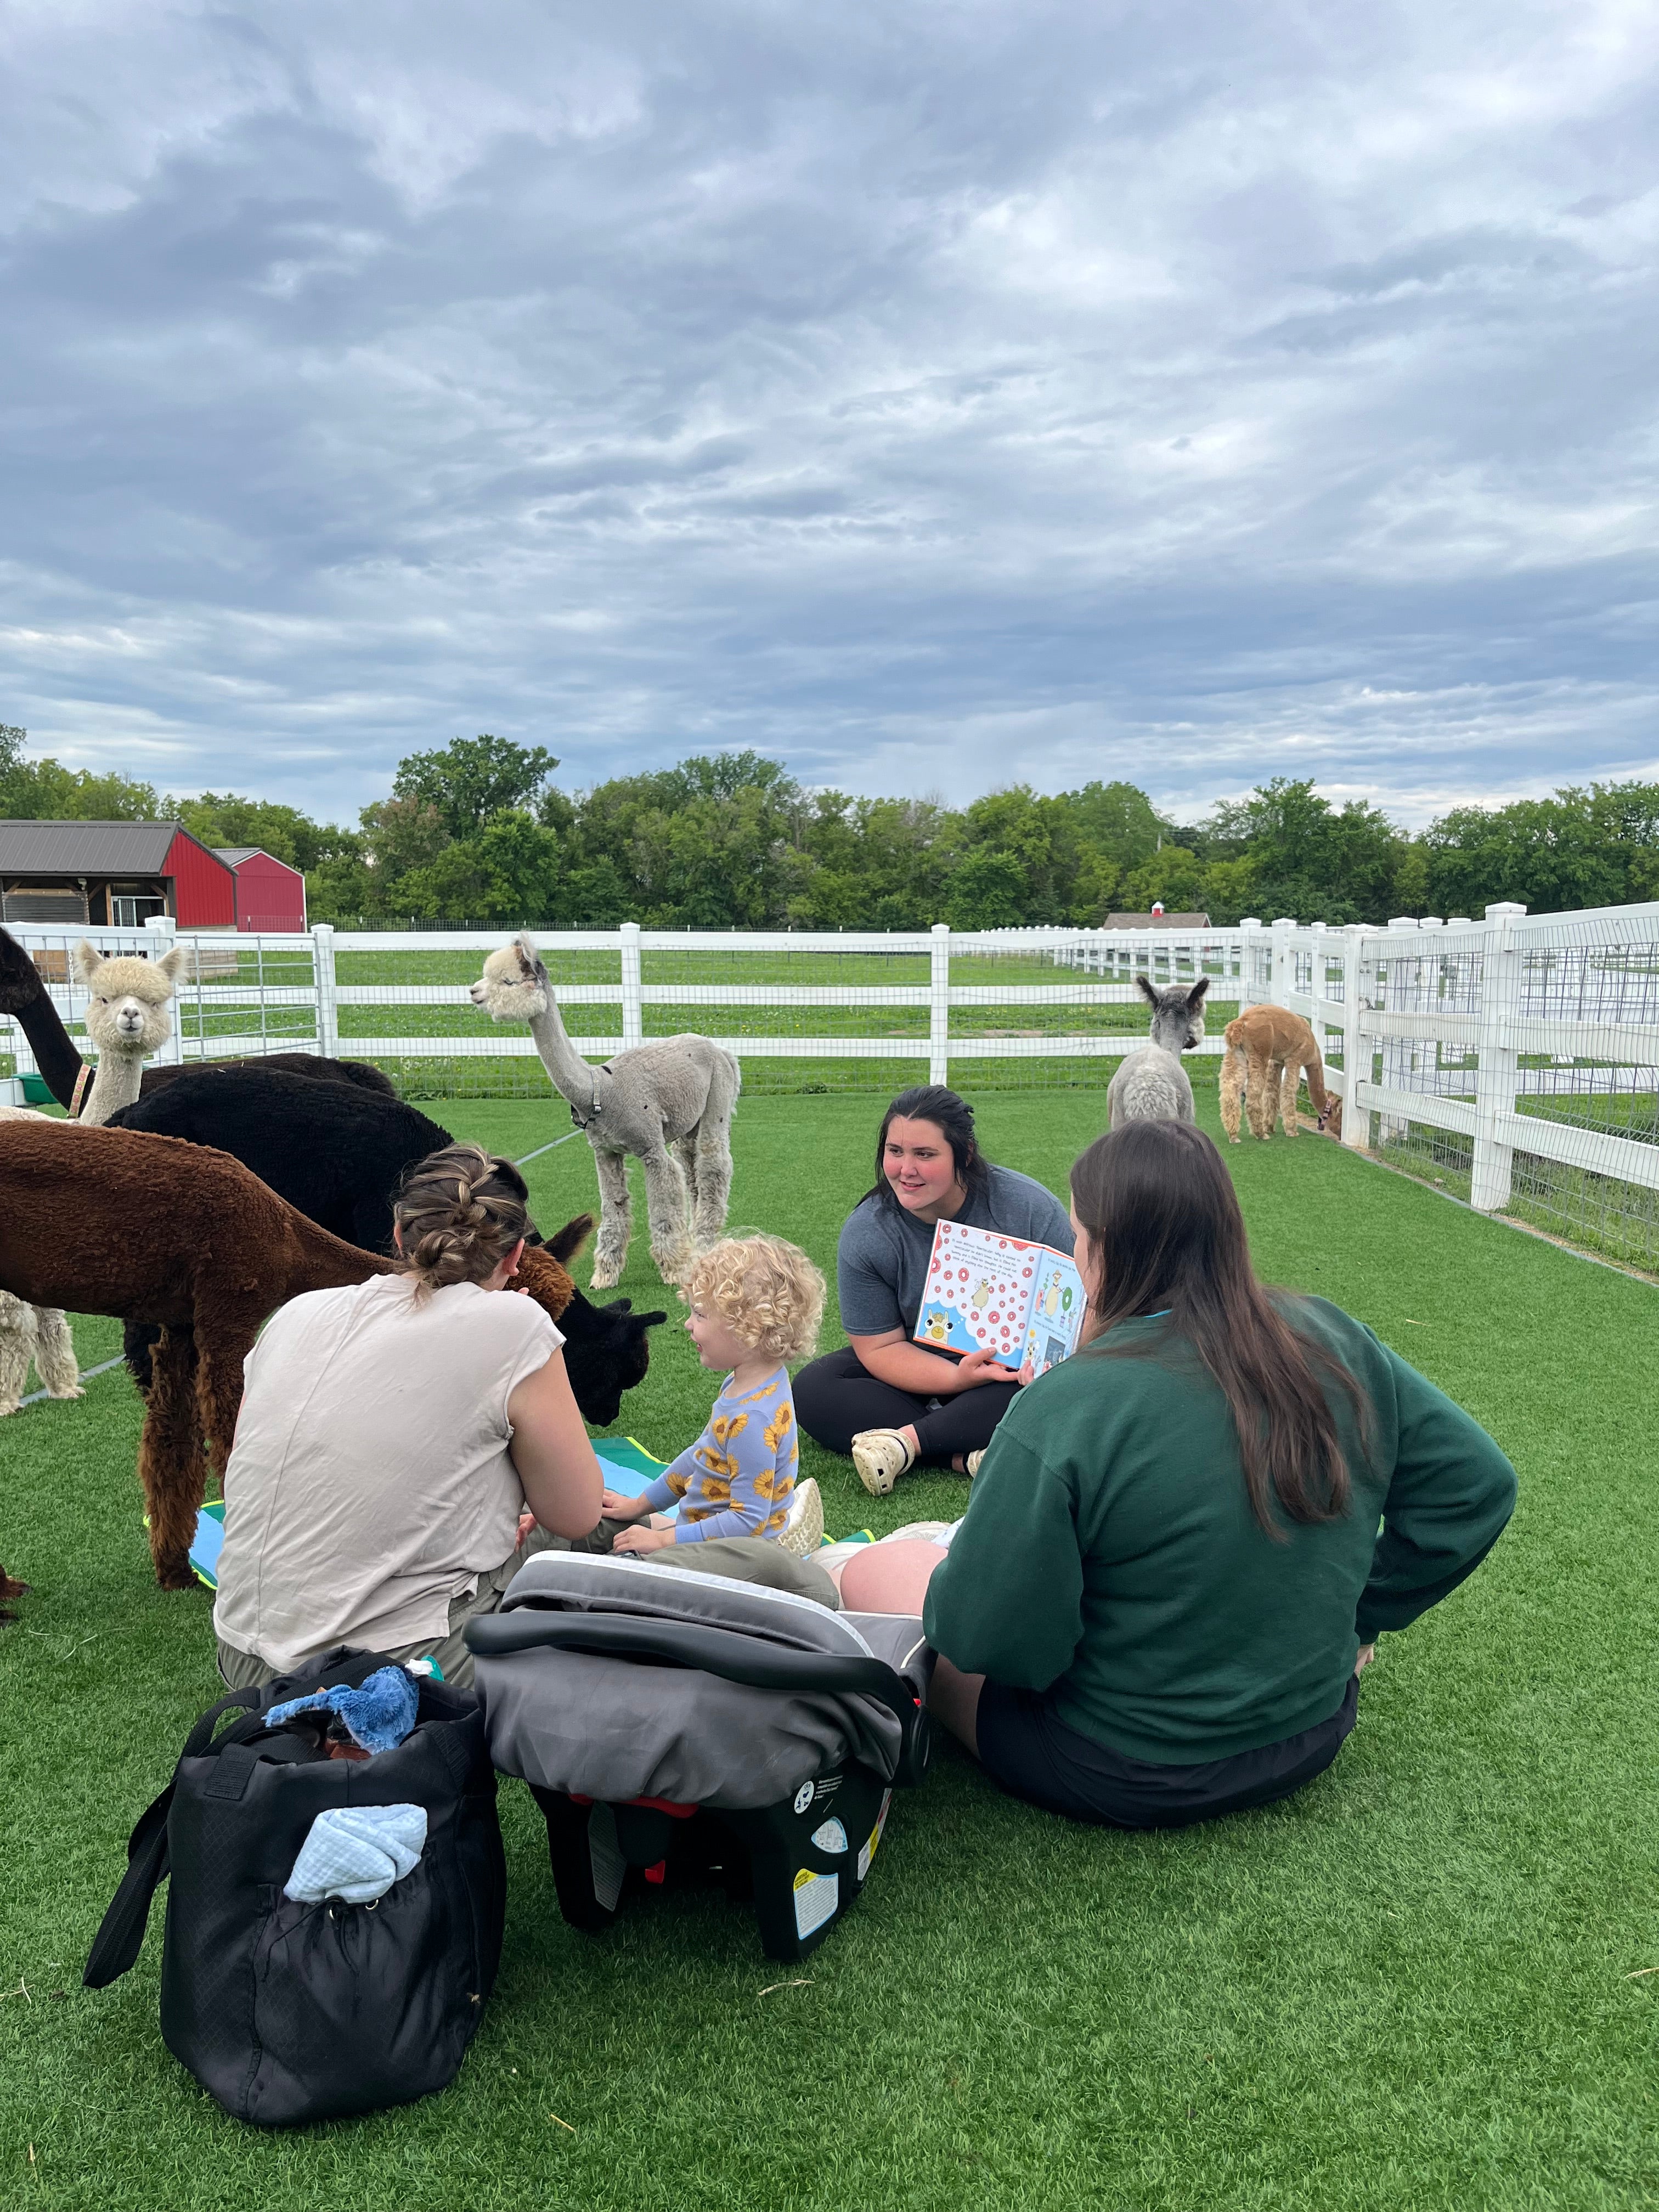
(935, 396)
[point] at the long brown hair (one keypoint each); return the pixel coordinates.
(1167, 1237)
(953, 1117)
(459, 1212)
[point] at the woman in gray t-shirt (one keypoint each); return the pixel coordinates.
(885, 1399)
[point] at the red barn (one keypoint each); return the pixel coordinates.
(118, 872)
(270, 894)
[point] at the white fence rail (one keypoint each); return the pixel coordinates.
(1475, 1043)
(250, 993)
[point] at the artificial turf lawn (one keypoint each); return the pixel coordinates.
(1408, 1986)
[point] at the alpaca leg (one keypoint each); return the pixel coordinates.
(685, 1152)
(219, 1388)
(172, 1469)
(1258, 1096)
(16, 1343)
(616, 1220)
(668, 1212)
(713, 1189)
(1232, 1092)
(54, 1353)
(1289, 1084)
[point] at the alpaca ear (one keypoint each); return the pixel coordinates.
(87, 961)
(1195, 996)
(1148, 989)
(529, 961)
(173, 964)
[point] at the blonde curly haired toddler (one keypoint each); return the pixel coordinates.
(756, 1304)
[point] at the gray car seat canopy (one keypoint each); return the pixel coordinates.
(589, 1725)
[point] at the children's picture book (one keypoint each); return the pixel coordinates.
(986, 1292)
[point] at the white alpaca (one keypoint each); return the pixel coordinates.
(678, 1091)
(37, 1333)
(127, 1020)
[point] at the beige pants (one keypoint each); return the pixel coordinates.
(740, 1559)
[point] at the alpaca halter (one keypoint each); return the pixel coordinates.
(593, 1075)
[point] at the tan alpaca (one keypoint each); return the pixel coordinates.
(127, 1020)
(1269, 1051)
(38, 1332)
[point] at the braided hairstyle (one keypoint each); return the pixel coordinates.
(459, 1212)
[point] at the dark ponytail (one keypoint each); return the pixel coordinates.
(953, 1117)
(1164, 1222)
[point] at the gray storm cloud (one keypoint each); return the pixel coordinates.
(931, 396)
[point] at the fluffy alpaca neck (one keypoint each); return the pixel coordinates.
(115, 1085)
(572, 1076)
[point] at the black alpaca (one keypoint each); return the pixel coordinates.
(24, 996)
(338, 1154)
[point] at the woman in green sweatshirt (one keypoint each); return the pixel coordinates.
(1171, 1573)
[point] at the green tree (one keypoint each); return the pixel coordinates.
(46, 791)
(986, 890)
(223, 819)
(401, 834)
(472, 779)
(1549, 853)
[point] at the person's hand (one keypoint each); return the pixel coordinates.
(980, 1367)
(1027, 1372)
(643, 1540)
(1367, 1652)
(615, 1505)
(527, 1522)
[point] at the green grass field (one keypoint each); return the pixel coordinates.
(1419, 1983)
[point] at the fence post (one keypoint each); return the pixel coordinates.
(1356, 1125)
(633, 1011)
(1248, 963)
(1284, 974)
(1494, 1080)
(938, 1006)
(328, 1005)
(165, 929)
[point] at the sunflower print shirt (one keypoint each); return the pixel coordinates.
(737, 1479)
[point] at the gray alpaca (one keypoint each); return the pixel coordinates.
(1151, 1083)
(676, 1091)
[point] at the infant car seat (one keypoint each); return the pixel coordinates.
(672, 1721)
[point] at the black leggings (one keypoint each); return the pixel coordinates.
(837, 1395)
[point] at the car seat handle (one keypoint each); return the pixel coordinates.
(698, 1648)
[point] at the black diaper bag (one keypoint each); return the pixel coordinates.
(287, 2011)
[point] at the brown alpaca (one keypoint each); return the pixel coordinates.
(1269, 1051)
(151, 1229)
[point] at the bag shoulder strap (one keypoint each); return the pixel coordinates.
(121, 1935)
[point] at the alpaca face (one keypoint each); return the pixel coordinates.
(513, 987)
(127, 998)
(1177, 1014)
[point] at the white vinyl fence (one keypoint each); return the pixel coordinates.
(1511, 1059)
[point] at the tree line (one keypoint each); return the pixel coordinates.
(478, 831)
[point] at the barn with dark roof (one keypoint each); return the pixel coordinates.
(122, 873)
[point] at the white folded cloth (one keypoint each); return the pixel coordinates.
(356, 1852)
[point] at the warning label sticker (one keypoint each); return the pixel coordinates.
(817, 1897)
(868, 1851)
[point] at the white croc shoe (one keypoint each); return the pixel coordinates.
(803, 1531)
(881, 1455)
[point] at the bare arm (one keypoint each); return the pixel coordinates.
(550, 1451)
(893, 1357)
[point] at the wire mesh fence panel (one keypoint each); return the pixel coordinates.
(1058, 1009)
